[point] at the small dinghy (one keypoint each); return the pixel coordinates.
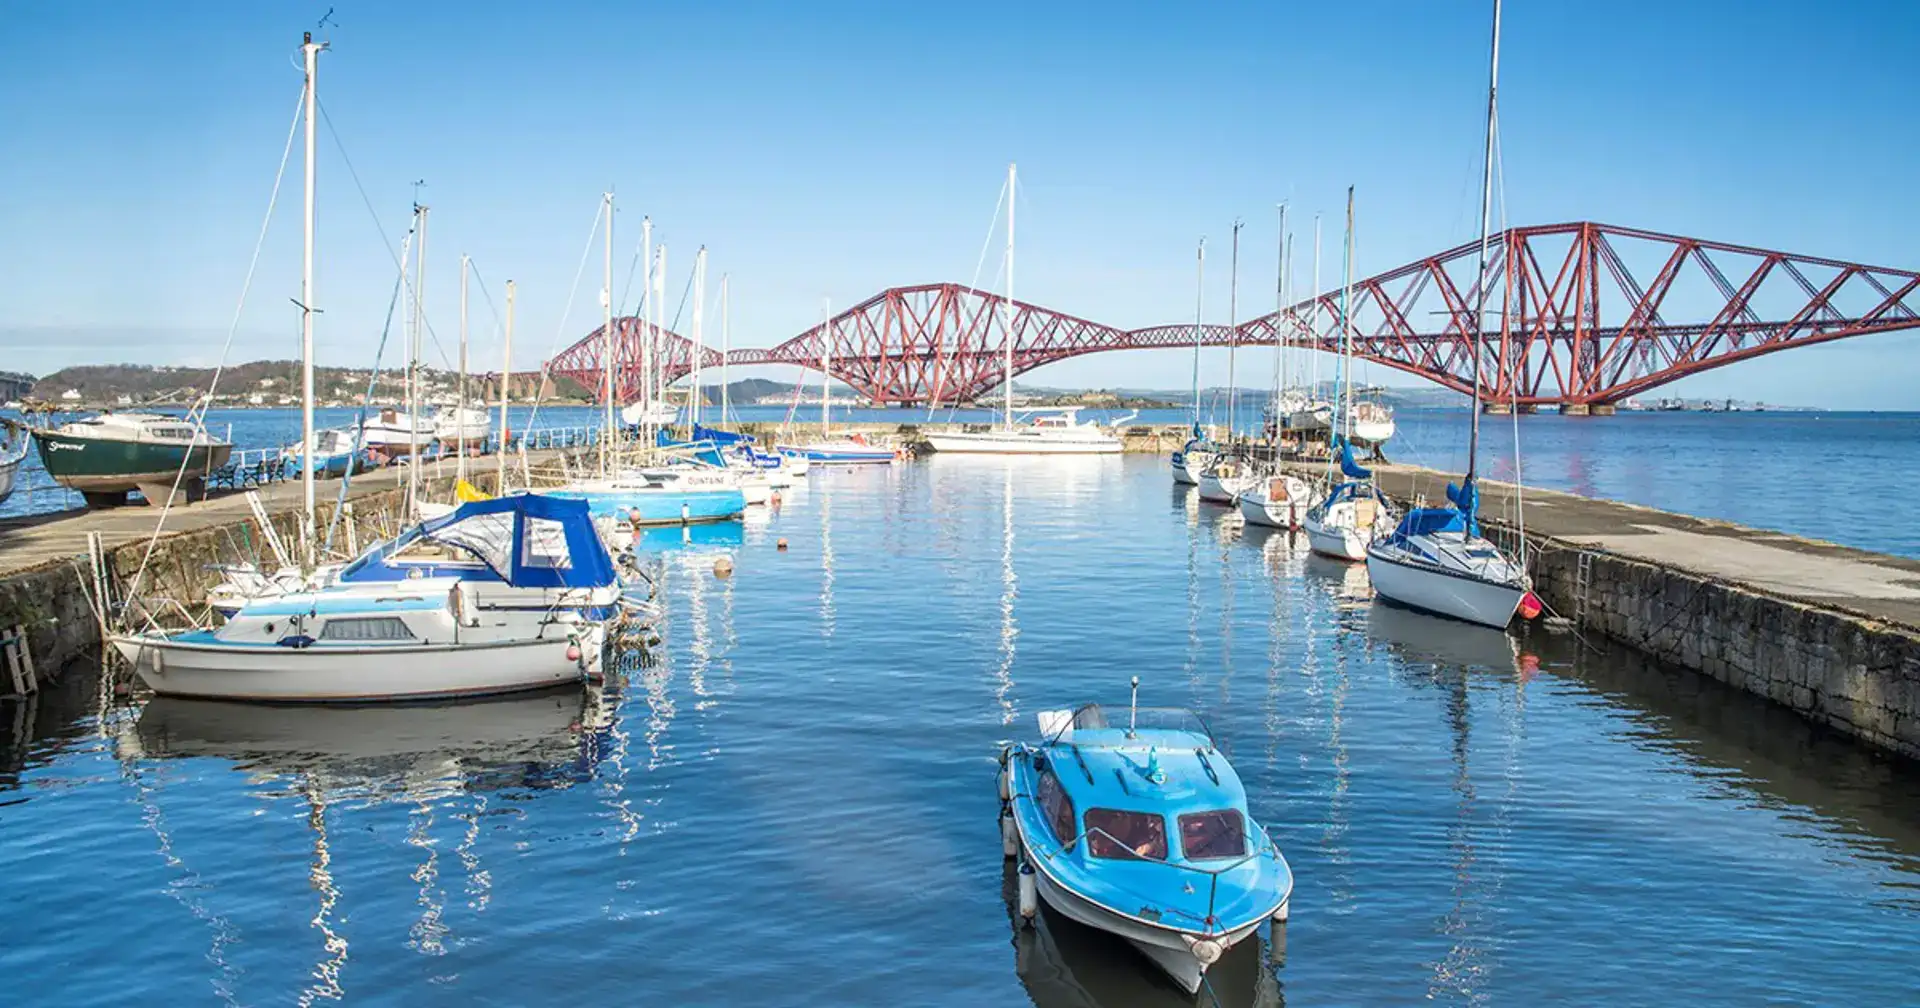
(1133, 822)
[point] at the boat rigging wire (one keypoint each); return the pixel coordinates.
(546, 366)
(197, 415)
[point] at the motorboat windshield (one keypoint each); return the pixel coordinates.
(1097, 725)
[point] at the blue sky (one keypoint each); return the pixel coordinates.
(828, 151)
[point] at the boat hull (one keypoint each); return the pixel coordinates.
(1001, 443)
(663, 507)
(1335, 541)
(336, 674)
(9, 473)
(1188, 465)
(101, 465)
(836, 455)
(1443, 593)
(1164, 947)
(1272, 514)
(1372, 432)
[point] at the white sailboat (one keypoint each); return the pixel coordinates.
(1194, 456)
(1354, 512)
(15, 442)
(1274, 498)
(1436, 559)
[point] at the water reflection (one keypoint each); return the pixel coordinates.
(333, 759)
(1065, 964)
(666, 538)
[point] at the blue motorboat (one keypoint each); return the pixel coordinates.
(1133, 822)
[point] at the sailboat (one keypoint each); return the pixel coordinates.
(1436, 559)
(1276, 498)
(1354, 512)
(1193, 457)
(1053, 431)
(854, 449)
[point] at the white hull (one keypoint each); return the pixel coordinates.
(1459, 596)
(1165, 947)
(9, 470)
(332, 673)
(1216, 489)
(1335, 541)
(1273, 514)
(1018, 442)
(1275, 501)
(1372, 432)
(1188, 468)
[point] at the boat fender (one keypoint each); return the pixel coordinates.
(1280, 912)
(1204, 949)
(1029, 895)
(1006, 785)
(1009, 840)
(1531, 606)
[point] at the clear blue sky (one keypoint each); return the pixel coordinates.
(828, 151)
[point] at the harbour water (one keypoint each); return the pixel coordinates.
(1773, 470)
(795, 805)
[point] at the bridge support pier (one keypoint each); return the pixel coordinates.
(1495, 408)
(1531, 407)
(1573, 409)
(1603, 409)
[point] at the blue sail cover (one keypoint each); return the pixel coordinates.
(527, 540)
(1348, 466)
(701, 433)
(1466, 498)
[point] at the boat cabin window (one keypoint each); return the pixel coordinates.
(1220, 834)
(1126, 834)
(545, 545)
(367, 628)
(1058, 808)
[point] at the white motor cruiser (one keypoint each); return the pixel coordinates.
(1051, 431)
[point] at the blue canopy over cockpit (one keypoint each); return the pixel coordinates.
(525, 540)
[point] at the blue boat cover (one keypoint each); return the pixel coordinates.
(1467, 498)
(1425, 521)
(527, 540)
(1348, 466)
(701, 433)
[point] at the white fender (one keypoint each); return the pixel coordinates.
(1029, 896)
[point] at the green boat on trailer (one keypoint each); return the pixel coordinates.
(105, 456)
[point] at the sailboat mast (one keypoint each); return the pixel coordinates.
(413, 368)
(1313, 322)
(608, 432)
(1199, 312)
(506, 397)
(659, 345)
(460, 408)
(699, 333)
(1282, 330)
(726, 347)
(1486, 222)
(1343, 397)
(1233, 326)
(646, 317)
(311, 51)
(826, 361)
(1006, 365)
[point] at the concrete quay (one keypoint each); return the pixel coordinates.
(1826, 630)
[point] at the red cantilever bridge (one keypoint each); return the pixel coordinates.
(1580, 328)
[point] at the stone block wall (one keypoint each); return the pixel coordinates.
(1855, 674)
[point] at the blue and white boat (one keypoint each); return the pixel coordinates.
(336, 452)
(1353, 514)
(501, 595)
(781, 470)
(649, 498)
(1437, 560)
(852, 450)
(1132, 821)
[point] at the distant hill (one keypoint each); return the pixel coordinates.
(260, 383)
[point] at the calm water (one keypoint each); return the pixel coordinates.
(796, 805)
(1821, 475)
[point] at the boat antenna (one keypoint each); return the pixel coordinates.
(1133, 707)
(1467, 495)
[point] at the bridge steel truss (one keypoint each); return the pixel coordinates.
(1572, 323)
